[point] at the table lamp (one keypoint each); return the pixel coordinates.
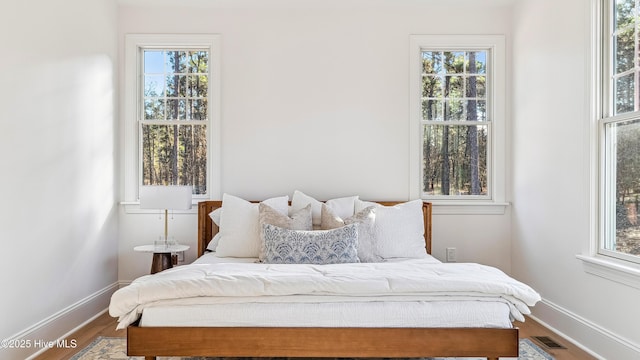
(170, 197)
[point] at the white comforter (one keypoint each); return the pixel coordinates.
(395, 281)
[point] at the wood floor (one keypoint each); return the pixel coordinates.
(105, 325)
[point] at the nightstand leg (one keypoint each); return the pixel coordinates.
(161, 261)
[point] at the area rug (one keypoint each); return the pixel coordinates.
(113, 348)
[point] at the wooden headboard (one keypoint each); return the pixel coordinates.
(207, 228)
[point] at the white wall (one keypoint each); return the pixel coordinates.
(315, 98)
(58, 187)
(551, 180)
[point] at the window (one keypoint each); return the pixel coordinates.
(457, 90)
(619, 128)
(174, 116)
(454, 122)
(172, 106)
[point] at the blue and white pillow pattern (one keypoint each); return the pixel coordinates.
(285, 246)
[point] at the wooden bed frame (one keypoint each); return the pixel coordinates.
(150, 342)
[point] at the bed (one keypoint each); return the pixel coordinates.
(337, 339)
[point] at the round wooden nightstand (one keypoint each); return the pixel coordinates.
(161, 255)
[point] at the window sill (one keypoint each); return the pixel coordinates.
(468, 208)
(611, 269)
(133, 207)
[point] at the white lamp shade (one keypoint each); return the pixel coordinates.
(165, 197)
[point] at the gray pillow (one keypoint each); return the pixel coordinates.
(298, 220)
(285, 246)
(365, 219)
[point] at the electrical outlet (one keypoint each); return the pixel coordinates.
(451, 254)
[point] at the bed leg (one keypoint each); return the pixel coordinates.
(149, 358)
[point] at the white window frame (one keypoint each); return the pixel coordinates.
(606, 116)
(597, 260)
(495, 201)
(134, 44)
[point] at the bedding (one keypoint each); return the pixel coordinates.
(203, 311)
(385, 232)
(408, 280)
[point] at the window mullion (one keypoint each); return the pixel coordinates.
(621, 118)
(455, 122)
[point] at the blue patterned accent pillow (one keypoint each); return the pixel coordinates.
(285, 246)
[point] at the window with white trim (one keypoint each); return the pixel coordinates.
(619, 129)
(172, 107)
(457, 110)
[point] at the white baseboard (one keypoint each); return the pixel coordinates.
(590, 337)
(51, 331)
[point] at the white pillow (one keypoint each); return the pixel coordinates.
(213, 244)
(215, 215)
(399, 230)
(240, 227)
(343, 207)
(360, 205)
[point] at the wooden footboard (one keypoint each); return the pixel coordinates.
(321, 342)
